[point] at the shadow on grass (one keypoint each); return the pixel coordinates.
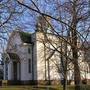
(43, 88)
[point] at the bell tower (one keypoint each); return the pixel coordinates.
(42, 24)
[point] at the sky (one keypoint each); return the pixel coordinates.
(28, 19)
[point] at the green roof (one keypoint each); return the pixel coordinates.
(25, 37)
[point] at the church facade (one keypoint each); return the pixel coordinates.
(25, 58)
(29, 57)
(39, 57)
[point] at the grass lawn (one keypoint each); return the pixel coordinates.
(40, 87)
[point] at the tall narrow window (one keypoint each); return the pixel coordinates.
(29, 50)
(6, 71)
(29, 65)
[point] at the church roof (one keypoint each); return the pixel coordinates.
(25, 37)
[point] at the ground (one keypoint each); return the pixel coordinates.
(40, 87)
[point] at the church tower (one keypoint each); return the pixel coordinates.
(43, 24)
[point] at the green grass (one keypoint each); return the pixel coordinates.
(41, 87)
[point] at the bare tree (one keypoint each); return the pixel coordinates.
(10, 19)
(75, 19)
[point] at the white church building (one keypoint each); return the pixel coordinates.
(30, 58)
(26, 60)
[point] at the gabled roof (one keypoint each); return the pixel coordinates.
(25, 37)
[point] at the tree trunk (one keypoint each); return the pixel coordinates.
(74, 38)
(64, 65)
(48, 72)
(77, 77)
(65, 82)
(45, 61)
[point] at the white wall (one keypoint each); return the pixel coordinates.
(10, 71)
(41, 60)
(25, 56)
(38, 58)
(22, 51)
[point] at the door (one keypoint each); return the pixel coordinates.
(15, 70)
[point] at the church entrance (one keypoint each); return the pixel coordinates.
(15, 70)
